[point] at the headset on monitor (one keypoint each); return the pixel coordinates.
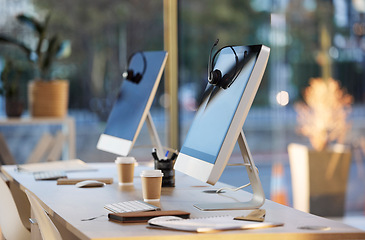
(215, 76)
(129, 73)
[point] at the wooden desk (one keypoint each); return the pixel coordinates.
(68, 205)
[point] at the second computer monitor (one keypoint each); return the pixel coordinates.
(133, 103)
(220, 117)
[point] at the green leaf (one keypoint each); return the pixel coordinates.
(31, 22)
(14, 41)
(50, 55)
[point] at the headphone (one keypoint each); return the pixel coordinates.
(215, 76)
(129, 73)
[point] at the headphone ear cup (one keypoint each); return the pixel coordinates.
(129, 74)
(215, 77)
(137, 78)
(225, 81)
(133, 78)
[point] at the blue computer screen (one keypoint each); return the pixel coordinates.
(132, 99)
(217, 109)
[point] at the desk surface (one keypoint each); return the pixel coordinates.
(68, 205)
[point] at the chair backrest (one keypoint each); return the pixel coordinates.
(47, 228)
(10, 223)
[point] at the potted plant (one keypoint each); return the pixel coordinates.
(11, 90)
(320, 172)
(47, 97)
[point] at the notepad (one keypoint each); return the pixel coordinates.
(73, 181)
(208, 224)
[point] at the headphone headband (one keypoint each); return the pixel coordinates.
(215, 76)
(210, 63)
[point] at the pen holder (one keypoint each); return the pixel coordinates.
(167, 168)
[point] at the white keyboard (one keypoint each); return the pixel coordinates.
(130, 206)
(49, 175)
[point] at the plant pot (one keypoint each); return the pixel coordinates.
(319, 179)
(48, 98)
(13, 107)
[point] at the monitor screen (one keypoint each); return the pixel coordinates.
(133, 103)
(221, 114)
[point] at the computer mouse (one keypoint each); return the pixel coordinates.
(89, 183)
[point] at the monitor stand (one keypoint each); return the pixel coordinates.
(154, 135)
(258, 196)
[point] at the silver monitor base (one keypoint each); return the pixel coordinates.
(258, 196)
(226, 206)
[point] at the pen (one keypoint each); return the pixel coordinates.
(174, 155)
(154, 154)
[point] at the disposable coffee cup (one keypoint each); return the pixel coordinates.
(151, 185)
(125, 168)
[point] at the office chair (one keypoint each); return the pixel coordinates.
(46, 226)
(10, 223)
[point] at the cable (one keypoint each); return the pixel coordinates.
(232, 189)
(243, 186)
(242, 164)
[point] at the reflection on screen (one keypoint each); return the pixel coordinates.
(132, 99)
(214, 116)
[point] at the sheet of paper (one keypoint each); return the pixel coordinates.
(209, 224)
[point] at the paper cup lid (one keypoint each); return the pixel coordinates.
(125, 160)
(151, 173)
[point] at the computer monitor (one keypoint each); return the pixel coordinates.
(218, 123)
(133, 103)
